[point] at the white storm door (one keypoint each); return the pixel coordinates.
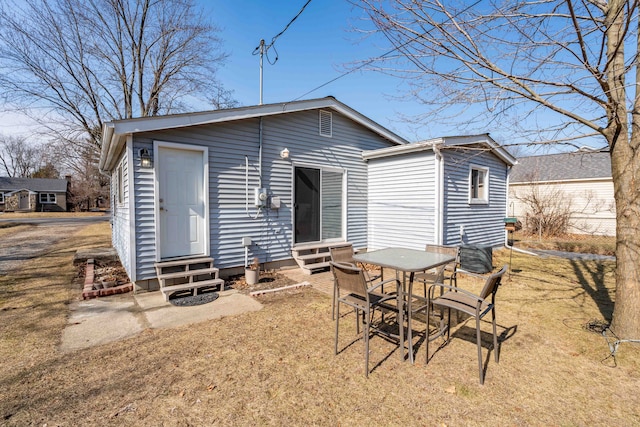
(181, 202)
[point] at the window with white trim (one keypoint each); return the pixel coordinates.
(46, 198)
(478, 184)
(1, 197)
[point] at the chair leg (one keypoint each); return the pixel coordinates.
(337, 320)
(478, 338)
(495, 335)
(333, 303)
(426, 332)
(366, 345)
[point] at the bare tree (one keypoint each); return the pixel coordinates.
(89, 187)
(547, 213)
(47, 170)
(86, 62)
(79, 63)
(18, 157)
(568, 66)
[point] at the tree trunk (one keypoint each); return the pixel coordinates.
(625, 163)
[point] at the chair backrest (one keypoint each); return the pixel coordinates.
(492, 283)
(342, 254)
(349, 278)
(448, 250)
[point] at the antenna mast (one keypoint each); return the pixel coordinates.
(261, 56)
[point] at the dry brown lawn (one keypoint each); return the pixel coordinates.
(16, 215)
(277, 367)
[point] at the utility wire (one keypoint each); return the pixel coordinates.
(364, 64)
(256, 51)
(273, 40)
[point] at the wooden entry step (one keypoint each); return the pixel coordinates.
(194, 273)
(314, 257)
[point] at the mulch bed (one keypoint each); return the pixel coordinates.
(181, 300)
(268, 280)
(103, 278)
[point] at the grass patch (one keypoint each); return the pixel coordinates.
(14, 215)
(277, 367)
(14, 227)
(9, 224)
(600, 245)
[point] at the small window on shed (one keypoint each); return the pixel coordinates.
(326, 123)
(1, 197)
(478, 185)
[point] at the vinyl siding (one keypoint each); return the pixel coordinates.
(483, 223)
(402, 201)
(120, 230)
(592, 203)
(270, 229)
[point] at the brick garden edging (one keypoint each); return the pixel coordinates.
(89, 292)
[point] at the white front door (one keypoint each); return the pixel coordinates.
(181, 201)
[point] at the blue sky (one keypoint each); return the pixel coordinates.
(315, 49)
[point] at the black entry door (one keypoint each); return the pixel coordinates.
(307, 205)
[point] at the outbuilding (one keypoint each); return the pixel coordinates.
(448, 191)
(272, 182)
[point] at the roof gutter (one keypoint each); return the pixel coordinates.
(105, 156)
(112, 142)
(401, 149)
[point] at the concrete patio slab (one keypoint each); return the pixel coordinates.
(161, 314)
(87, 324)
(107, 319)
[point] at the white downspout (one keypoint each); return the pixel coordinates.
(246, 174)
(439, 196)
(260, 156)
(506, 208)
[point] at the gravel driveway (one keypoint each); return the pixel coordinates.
(16, 247)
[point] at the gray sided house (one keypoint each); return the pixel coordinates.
(276, 182)
(34, 194)
(449, 191)
(579, 182)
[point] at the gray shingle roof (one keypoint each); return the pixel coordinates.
(38, 185)
(561, 167)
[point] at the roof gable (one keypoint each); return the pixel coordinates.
(38, 185)
(114, 133)
(484, 141)
(562, 167)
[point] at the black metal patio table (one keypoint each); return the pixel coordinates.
(407, 261)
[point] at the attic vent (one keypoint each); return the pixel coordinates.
(326, 125)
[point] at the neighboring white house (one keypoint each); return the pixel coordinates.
(282, 181)
(449, 191)
(581, 180)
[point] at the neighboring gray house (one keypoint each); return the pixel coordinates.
(34, 194)
(449, 191)
(582, 180)
(281, 182)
